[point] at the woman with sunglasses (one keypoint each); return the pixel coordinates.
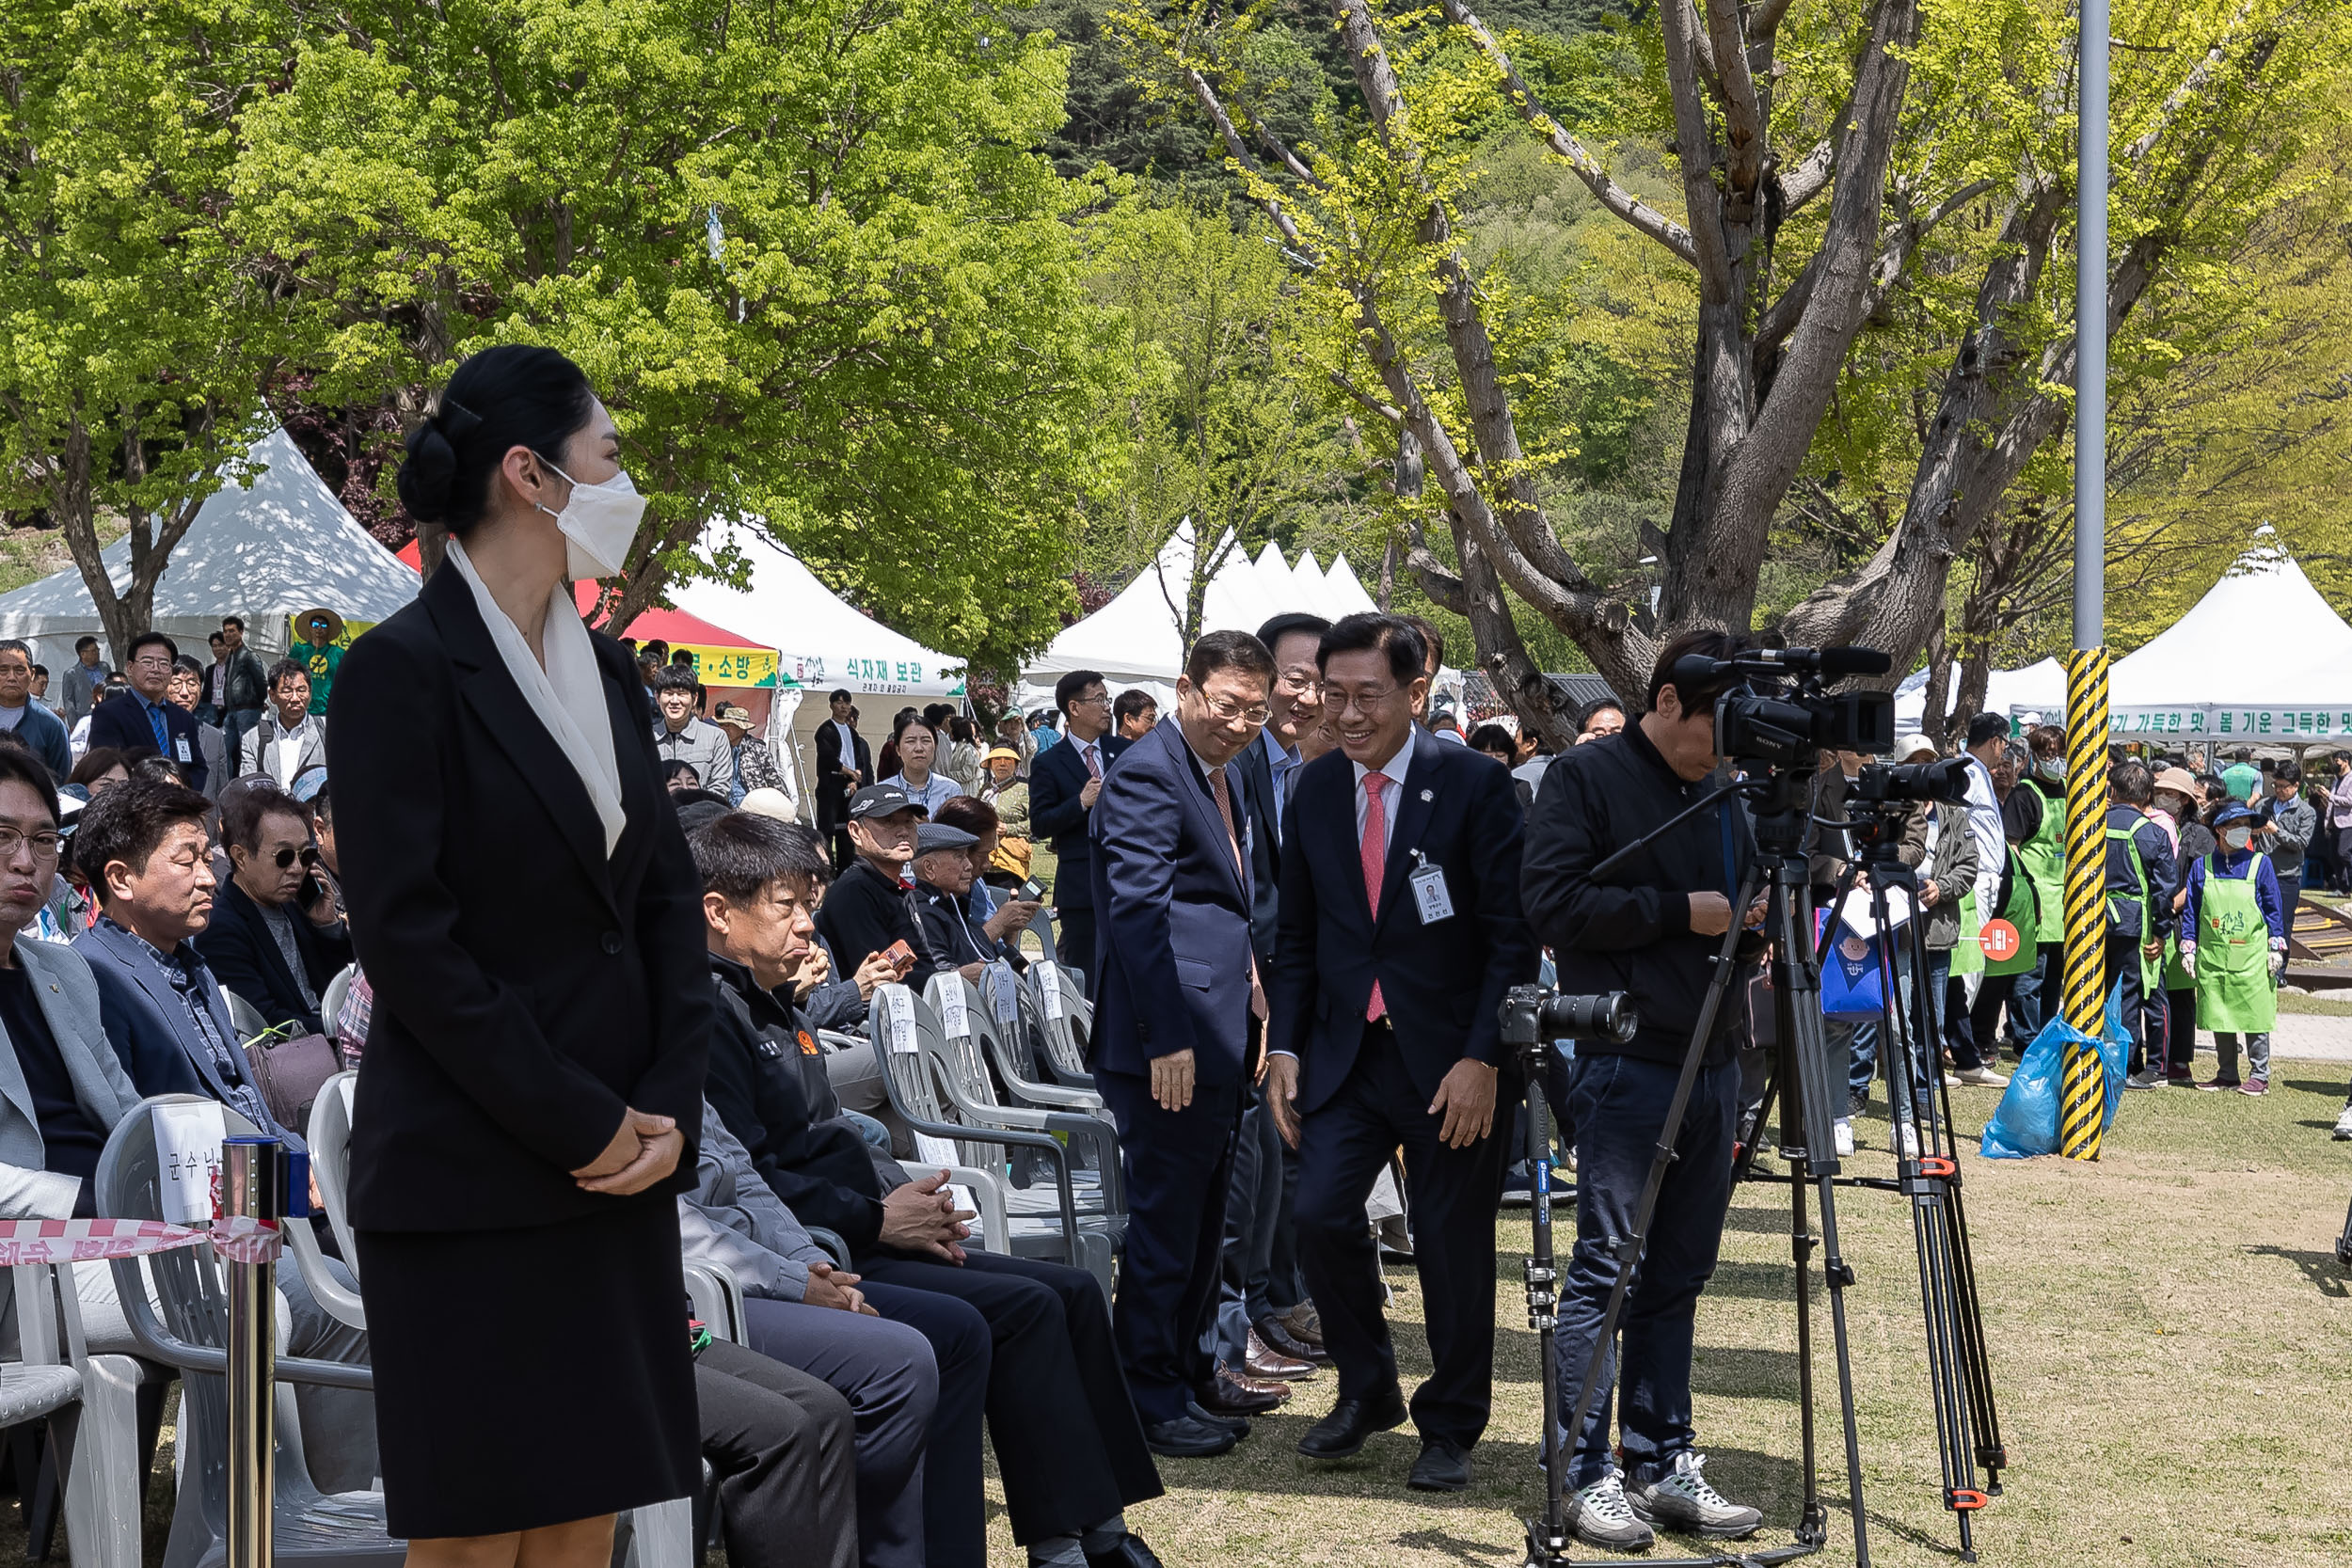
(275, 939)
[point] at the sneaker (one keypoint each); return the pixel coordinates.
(2254, 1085)
(2215, 1085)
(1599, 1516)
(2140, 1081)
(2343, 1125)
(1684, 1501)
(1980, 1077)
(1907, 1140)
(1842, 1137)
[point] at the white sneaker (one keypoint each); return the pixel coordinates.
(1980, 1077)
(2344, 1126)
(1685, 1502)
(1599, 1516)
(1907, 1138)
(1842, 1137)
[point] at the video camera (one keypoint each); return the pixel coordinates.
(1532, 1014)
(1780, 715)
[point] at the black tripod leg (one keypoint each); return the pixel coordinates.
(1547, 1537)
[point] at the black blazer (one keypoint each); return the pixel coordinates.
(528, 989)
(1255, 771)
(833, 790)
(1057, 777)
(1442, 983)
(244, 957)
(121, 722)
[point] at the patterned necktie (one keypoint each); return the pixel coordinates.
(1374, 852)
(1095, 764)
(1225, 809)
(163, 731)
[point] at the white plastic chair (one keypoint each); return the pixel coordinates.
(332, 1000)
(90, 1407)
(244, 1017)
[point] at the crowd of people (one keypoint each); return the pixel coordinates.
(1297, 901)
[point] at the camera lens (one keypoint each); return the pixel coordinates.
(1609, 1016)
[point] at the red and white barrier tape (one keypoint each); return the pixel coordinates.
(235, 1238)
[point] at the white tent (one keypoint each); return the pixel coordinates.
(266, 546)
(2036, 689)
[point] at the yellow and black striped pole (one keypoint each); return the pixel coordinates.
(2082, 1096)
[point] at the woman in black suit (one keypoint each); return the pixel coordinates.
(525, 908)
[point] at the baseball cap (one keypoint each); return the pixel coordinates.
(700, 813)
(1911, 745)
(885, 799)
(939, 835)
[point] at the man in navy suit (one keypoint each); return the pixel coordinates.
(1399, 932)
(142, 720)
(1176, 990)
(1065, 781)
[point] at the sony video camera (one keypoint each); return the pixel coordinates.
(1782, 717)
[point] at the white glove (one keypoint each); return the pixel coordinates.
(2188, 959)
(2278, 960)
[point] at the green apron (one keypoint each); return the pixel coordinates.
(2043, 856)
(2147, 966)
(1968, 954)
(2235, 994)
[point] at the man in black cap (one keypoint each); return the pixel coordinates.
(953, 936)
(871, 906)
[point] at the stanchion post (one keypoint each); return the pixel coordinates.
(2083, 1095)
(248, 1190)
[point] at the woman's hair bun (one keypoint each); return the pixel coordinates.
(427, 476)
(507, 396)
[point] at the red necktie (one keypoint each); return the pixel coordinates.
(1375, 853)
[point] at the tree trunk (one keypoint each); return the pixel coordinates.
(1934, 718)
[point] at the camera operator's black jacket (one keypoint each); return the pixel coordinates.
(1631, 932)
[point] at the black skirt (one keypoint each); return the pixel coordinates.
(533, 1376)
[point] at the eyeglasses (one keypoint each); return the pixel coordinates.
(46, 843)
(1363, 702)
(308, 855)
(1100, 699)
(1226, 713)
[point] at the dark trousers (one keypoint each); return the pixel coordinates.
(1253, 1207)
(2180, 1038)
(1964, 1036)
(782, 1444)
(1452, 1193)
(2290, 893)
(1074, 939)
(2035, 999)
(2124, 984)
(843, 851)
(915, 1378)
(1069, 1448)
(1620, 1106)
(1179, 1169)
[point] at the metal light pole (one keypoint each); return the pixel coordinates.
(2082, 1099)
(248, 1190)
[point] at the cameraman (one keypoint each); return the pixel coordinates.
(1651, 928)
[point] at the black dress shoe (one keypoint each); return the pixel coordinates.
(1344, 1430)
(1186, 1437)
(1224, 1395)
(1276, 1333)
(1237, 1425)
(1129, 1553)
(1443, 1467)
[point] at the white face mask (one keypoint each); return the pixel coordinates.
(2237, 838)
(599, 525)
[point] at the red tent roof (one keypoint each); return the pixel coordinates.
(673, 626)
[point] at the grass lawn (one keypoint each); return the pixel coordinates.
(2171, 1348)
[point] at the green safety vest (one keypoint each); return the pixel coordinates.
(2045, 859)
(2148, 969)
(2235, 993)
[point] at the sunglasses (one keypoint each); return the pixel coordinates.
(308, 855)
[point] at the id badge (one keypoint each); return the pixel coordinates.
(180, 749)
(1430, 894)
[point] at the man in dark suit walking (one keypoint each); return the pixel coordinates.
(1177, 989)
(1399, 932)
(146, 721)
(844, 762)
(1065, 781)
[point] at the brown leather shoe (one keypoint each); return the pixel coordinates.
(1275, 1334)
(1263, 1361)
(1305, 1325)
(1230, 1394)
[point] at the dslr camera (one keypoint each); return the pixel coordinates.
(1532, 1014)
(1781, 715)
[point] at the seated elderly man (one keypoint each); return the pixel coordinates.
(274, 938)
(1069, 1448)
(65, 1080)
(954, 936)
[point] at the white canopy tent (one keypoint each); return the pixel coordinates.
(271, 543)
(824, 646)
(2038, 688)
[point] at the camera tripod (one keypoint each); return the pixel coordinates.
(1808, 1112)
(1960, 1376)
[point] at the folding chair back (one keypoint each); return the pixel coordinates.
(244, 1016)
(332, 1000)
(896, 1021)
(1058, 1020)
(346, 1529)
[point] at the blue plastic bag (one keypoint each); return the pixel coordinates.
(2026, 1123)
(1853, 982)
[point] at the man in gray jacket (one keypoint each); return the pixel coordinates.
(679, 737)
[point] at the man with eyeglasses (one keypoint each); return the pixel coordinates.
(145, 720)
(275, 939)
(1173, 1002)
(1065, 781)
(42, 732)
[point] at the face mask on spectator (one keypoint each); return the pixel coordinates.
(2053, 769)
(599, 524)
(2237, 838)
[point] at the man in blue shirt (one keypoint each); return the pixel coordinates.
(147, 722)
(42, 732)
